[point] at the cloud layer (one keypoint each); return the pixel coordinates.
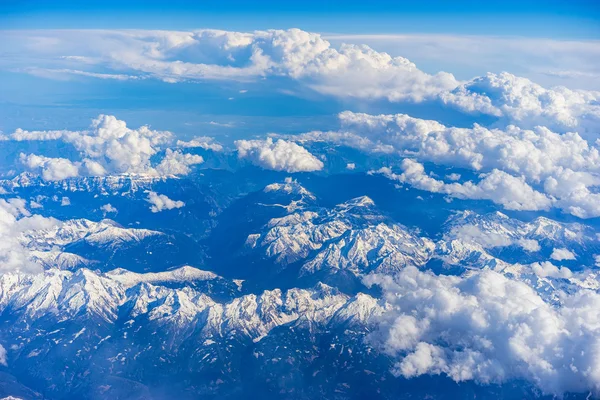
(490, 329)
(554, 169)
(309, 60)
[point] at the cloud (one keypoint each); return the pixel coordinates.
(3, 359)
(497, 186)
(65, 73)
(527, 104)
(351, 166)
(108, 208)
(222, 124)
(52, 169)
(490, 329)
(547, 269)
(160, 202)
(65, 201)
(487, 239)
(204, 142)
(110, 147)
(529, 245)
(562, 254)
(15, 219)
(177, 163)
(565, 166)
(312, 62)
(279, 156)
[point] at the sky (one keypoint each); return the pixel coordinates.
(554, 45)
(557, 19)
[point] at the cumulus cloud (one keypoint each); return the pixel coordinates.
(160, 202)
(279, 156)
(566, 166)
(108, 142)
(51, 169)
(175, 56)
(524, 103)
(562, 254)
(177, 163)
(65, 201)
(110, 147)
(497, 186)
(490, 329)
(14, 219)
(345, 70)
(529, 245)
(547, 269)
(108, 208)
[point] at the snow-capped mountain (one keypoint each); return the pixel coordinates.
(518, 241)
(92, 316)
(105, 233)
(353, 236)
(100, 185)
(104, 244)
(119, 317)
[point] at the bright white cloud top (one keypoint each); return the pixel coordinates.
(160, 202)
(546, 168)
(278, 155)
(488, 328)
(108, 147)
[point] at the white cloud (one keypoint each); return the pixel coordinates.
(565, 165)
(108, 208)
(529, 245)
(351, 166)
(205, 142)
(562, 254)
(160, 202)
(490, 329)
(497, 186)
(527, 104)
(487, 239)
(547, 269)
(65, 73)
(177, 163)
(110, 147)
(3, 359)
(222, 124)
(14, 219)
(65, 201)
(344, 70)
(52, 169)
(597, 259)
(548, 61)
(279, 156)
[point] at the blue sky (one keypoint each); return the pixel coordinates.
(573, 19)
